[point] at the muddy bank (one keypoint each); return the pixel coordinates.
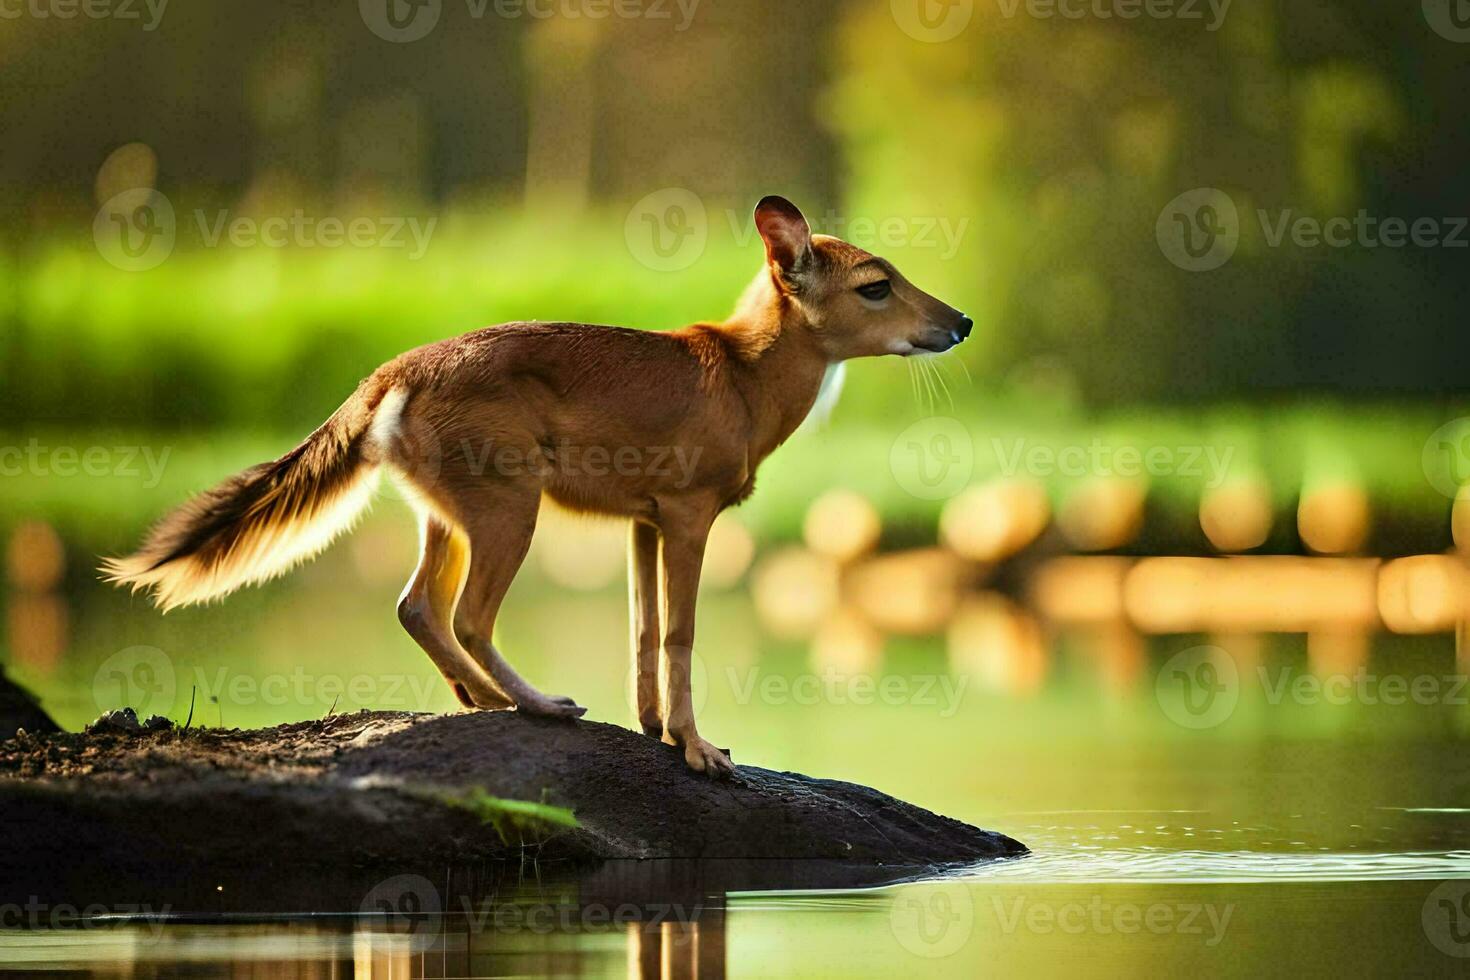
(19, 710)
(374, 791)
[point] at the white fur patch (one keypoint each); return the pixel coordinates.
(827, 396)
(387, 417)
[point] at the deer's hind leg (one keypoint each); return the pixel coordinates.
(426, 610)
(499, 533)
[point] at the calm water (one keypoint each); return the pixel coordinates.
(1273, 804)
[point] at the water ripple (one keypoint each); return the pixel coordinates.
(1172, 867)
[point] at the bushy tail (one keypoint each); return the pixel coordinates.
(262, 522)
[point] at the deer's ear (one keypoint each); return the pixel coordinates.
(787, 236)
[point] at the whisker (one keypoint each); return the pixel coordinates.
(965, 368)
(953, 357)
(926, 372)
(936, 365)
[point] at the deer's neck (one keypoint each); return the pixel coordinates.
(779, 369)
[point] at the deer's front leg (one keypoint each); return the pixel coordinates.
(644, 617)
(683, 554)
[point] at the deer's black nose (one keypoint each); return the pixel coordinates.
(964, 327)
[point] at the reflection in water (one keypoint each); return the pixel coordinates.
(1119, 653)
(657, 943)
(999, 644)
(847, 643)
(437, 948)
(1337, 653)
(1306, 815)
(635, 919)
(1124, 911)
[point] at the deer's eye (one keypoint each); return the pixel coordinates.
(876, 290)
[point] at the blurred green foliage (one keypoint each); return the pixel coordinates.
(1043, 149)
(1023, 165)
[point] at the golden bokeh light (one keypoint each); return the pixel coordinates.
(842, 525)
(1460, 520)
(578, 552)
(129, 167)
(1270, 594)
(37, 631)
(794, 590)
(911, 592)
(847, 643)
(1081, 589)
(1119, 653)
(1103, 513)
(728, 553)
(995, 521)
(1337, 653)
(1333, 518)
(1423, 594)
(999, 644)
(1236, 517)
(35, 559)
